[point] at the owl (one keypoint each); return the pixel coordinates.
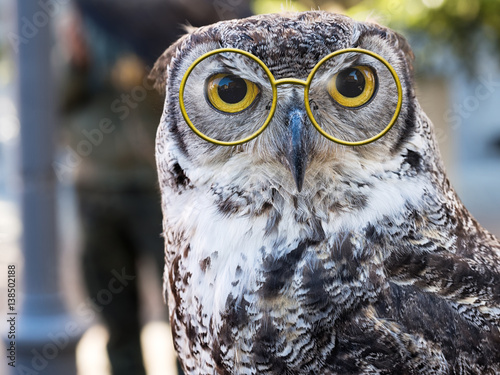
(309, 224)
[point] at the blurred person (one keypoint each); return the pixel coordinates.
(111, 115)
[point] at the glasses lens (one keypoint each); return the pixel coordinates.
(353, 97)
(228, 97)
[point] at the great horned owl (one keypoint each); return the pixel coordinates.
(293, 253)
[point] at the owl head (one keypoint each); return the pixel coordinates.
(229, 95)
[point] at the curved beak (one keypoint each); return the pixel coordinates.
(297, 150)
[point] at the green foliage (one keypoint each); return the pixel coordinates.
(461, 25)
(276, 6)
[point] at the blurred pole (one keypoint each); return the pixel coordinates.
(46, 336)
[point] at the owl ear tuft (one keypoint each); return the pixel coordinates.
(159, 74)
(394, 38)
(401, 43)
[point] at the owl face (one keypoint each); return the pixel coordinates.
(228, 97)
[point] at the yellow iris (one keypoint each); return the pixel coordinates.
(229, 93)
(353, 87)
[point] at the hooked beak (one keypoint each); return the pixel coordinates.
(297, 145)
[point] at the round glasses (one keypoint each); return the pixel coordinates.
(241, 96)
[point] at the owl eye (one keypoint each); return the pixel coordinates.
(229, 93)
(353, 87)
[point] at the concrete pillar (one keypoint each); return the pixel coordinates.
(46, 336)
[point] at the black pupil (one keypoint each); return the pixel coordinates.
(350, 82)
(232, 89)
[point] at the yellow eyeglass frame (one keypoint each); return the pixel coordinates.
(274, 85)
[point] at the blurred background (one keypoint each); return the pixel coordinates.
(79, 206)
